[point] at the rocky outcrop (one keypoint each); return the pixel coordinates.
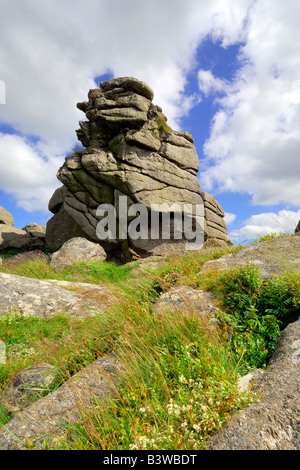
(6, 217)
(272, 257)
(271, 423)
(33, 297)
(31, 237)
(2, 352)
(129, 151)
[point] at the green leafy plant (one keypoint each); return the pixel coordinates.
(257, 312)
(162, 125)
(280, 297)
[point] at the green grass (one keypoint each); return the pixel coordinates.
(67, 343)
(178, 389)
(92, 272)
(180, 384)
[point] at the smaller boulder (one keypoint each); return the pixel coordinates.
(297, 229)
(74, 251)
(185, 298)
(36, 230)
(28, 386)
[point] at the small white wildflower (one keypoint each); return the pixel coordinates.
(197, 427)
(182, 379)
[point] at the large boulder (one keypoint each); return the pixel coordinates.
(130, 151)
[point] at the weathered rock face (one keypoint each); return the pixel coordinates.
(129, 151)
(76, 250)
(48, 418)
(271, 257)
(31, 237)
(32, 297)
(272, 423)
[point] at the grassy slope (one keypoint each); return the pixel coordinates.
(181, 374)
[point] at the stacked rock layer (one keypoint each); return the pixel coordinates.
(128, 149)
(31, 237)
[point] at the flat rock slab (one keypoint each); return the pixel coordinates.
(272, 423)
(272, 257)
(185, 298)
(33, 297)
(47, 418)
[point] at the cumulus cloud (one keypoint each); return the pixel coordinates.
(255, 134)
(258, 225)
(25, 174)
(209, 84)
(229, 218)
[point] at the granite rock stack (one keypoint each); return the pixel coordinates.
(128, 150)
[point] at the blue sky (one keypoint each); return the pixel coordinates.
(227, 71)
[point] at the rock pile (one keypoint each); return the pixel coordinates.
(31, 237)
(129, 151)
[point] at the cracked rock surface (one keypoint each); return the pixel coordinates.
(272, 423)
(128, 150)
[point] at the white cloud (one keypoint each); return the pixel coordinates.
(25, 174)
(258, 225)
(255, 135)
(229, 218)
(209, 84)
